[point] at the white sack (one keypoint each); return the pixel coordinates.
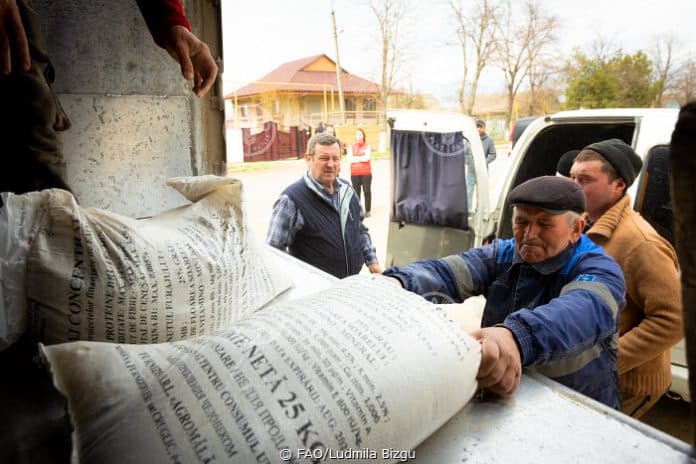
(363, 365)
(96, 275)
(20, 217)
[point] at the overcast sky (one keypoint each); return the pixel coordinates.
(260, 35)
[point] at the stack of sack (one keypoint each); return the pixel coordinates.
(69, 273)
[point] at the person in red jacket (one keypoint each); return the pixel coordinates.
(359, 155)
(31, 114)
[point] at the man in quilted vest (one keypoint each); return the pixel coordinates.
(318, 219)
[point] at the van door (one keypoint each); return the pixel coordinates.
(439, 191)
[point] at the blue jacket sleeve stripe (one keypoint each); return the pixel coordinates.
(462, 275)
(569, 365)
(565, 327)
(598, 288)
(432, 279)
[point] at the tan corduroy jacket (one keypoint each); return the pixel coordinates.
(651, 323)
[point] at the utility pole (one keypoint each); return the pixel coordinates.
(338, 71)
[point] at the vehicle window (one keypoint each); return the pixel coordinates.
(518, 128)
(547, 147)
(428, 172)
(654, 200)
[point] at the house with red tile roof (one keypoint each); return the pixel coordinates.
(302, 93)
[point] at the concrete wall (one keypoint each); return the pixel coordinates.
(134, 122)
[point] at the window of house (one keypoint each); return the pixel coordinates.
(369, 104)
(244, 110)
(349, 104)
(313, 105)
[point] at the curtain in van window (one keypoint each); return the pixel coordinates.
(429, 178)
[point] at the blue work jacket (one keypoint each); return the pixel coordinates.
(563, 312)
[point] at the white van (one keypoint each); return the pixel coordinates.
(435, 153)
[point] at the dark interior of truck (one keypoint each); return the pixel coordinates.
(542, 156)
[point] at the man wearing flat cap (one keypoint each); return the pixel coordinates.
(552, 296)
(651, 323)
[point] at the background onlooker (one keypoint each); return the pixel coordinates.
(359, 156)
(486, 141)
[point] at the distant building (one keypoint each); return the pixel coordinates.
(493, 109)
(302, 93)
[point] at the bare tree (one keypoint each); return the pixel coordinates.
(389, 15)
(411, 98)
(663, 60)
(478, 29)
(511, 56)
(684, 88)
(542, 36)
(603, 48)
(463, 37)
(521, 50)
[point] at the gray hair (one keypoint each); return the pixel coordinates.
(320, 139)
(573, 217)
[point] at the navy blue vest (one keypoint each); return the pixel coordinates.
(320, 242)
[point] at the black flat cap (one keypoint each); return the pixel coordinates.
(620, 155)
(480, 123)
(566, 162)
(551, 193)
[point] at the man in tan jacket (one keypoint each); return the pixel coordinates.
(651, 323)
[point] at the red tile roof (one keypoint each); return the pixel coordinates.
(293, 77)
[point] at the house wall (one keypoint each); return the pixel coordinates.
(302, 110)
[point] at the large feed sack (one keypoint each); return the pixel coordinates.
(354, 372)
(95, 275)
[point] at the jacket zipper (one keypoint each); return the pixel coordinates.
(342, 231)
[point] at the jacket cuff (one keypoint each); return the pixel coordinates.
(523, 337)
(403, 278)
